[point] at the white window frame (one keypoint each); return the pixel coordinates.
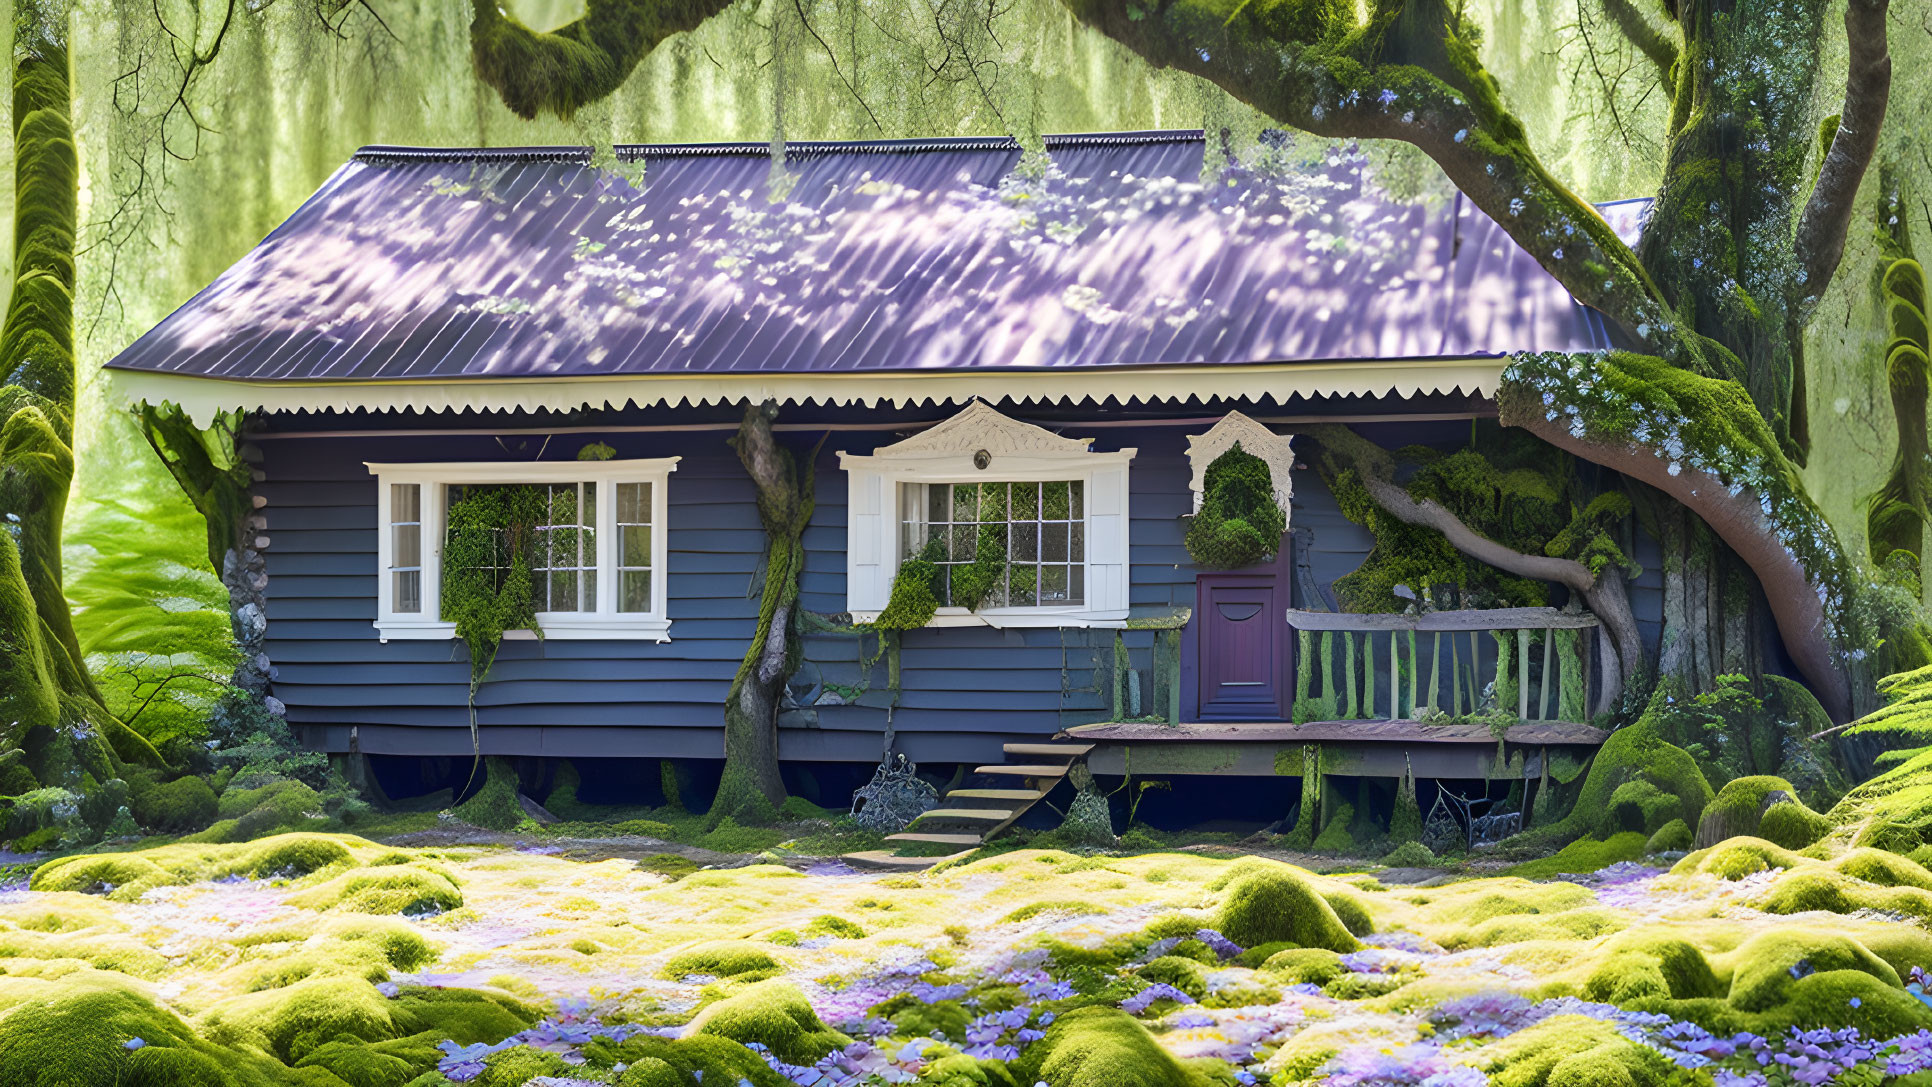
(1017, 453)
(606, 622)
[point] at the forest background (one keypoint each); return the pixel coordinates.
(174, 191)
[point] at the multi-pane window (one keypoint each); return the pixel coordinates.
(587, 538)
(406, 546)
(634, 547)
(1040, 527)
(565, 566)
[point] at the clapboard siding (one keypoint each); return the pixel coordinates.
(964, 690)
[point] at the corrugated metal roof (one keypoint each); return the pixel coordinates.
(882, 257)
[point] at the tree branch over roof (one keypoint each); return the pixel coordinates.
(568, 68)
(1868, 83)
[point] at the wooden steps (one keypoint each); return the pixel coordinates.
(937, 839)
(884, 859)
(1026, 796)
(970, 816)
(991, 815)
(1028, 770)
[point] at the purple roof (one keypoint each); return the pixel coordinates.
(913, 255)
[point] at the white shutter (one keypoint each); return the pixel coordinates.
(867, 573)
(1107, 539)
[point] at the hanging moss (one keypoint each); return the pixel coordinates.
(1239, 523)
(1898, 513)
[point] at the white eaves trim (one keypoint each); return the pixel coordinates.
(203, 398)
(606, 623)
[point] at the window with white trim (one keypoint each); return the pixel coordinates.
(1058, 509)
(595, 549)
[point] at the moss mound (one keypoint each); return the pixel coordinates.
(123, 877)
(1673, 837)
(495, 805)
(1634, 753)
(184, 804)
(724, 959)
(1102, 1047)
(1279, 906)
(1573, 1051)
(75, 1034)
(1814, 888)
(1586, 855)
(406, 889)
(1737, 858)
(1313, 965)
(1737, 808)
(1770, 963)
(773, 1014)
(291, 856)
(1184, 974)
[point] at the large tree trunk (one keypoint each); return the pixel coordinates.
(751, 708)
(50, 710)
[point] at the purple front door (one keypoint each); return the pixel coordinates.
(1243, 645)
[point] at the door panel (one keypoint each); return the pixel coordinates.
(1243, 643)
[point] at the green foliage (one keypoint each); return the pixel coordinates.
(1183, 974)
(488, 587)
(1239, 523)
(1275, 904)
(1639, 805)
(1505, 485)
(1792, 825)
(186, 803)
(1727, 728)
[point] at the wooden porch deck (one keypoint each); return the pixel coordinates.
(1279, 732)
(1376, 748)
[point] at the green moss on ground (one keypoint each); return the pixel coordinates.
(1634, 753)
(1735, 810)
(1184, 974)
(1573, 1051)
(1103, 1047)
(1673, 837)
(1737, 858)
(1279, 905)
(1313, 965)
(740, 959)
(410, 890)
(1587, 855)
(774, 1014)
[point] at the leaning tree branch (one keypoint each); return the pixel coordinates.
(1650, 41)
(1827, 215)
(1605, 596)
(1795, 596)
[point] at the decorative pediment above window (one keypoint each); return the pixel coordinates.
(980, 427)
(1256, 439)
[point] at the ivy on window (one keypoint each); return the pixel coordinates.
(488, 585)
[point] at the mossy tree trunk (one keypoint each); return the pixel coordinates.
(562, 71)
(751, 708)
(55, 724)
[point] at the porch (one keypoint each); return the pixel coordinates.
(1464, 694)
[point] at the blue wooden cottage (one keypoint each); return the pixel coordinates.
(1085, 329)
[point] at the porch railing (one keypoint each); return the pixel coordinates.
(1534, 663)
